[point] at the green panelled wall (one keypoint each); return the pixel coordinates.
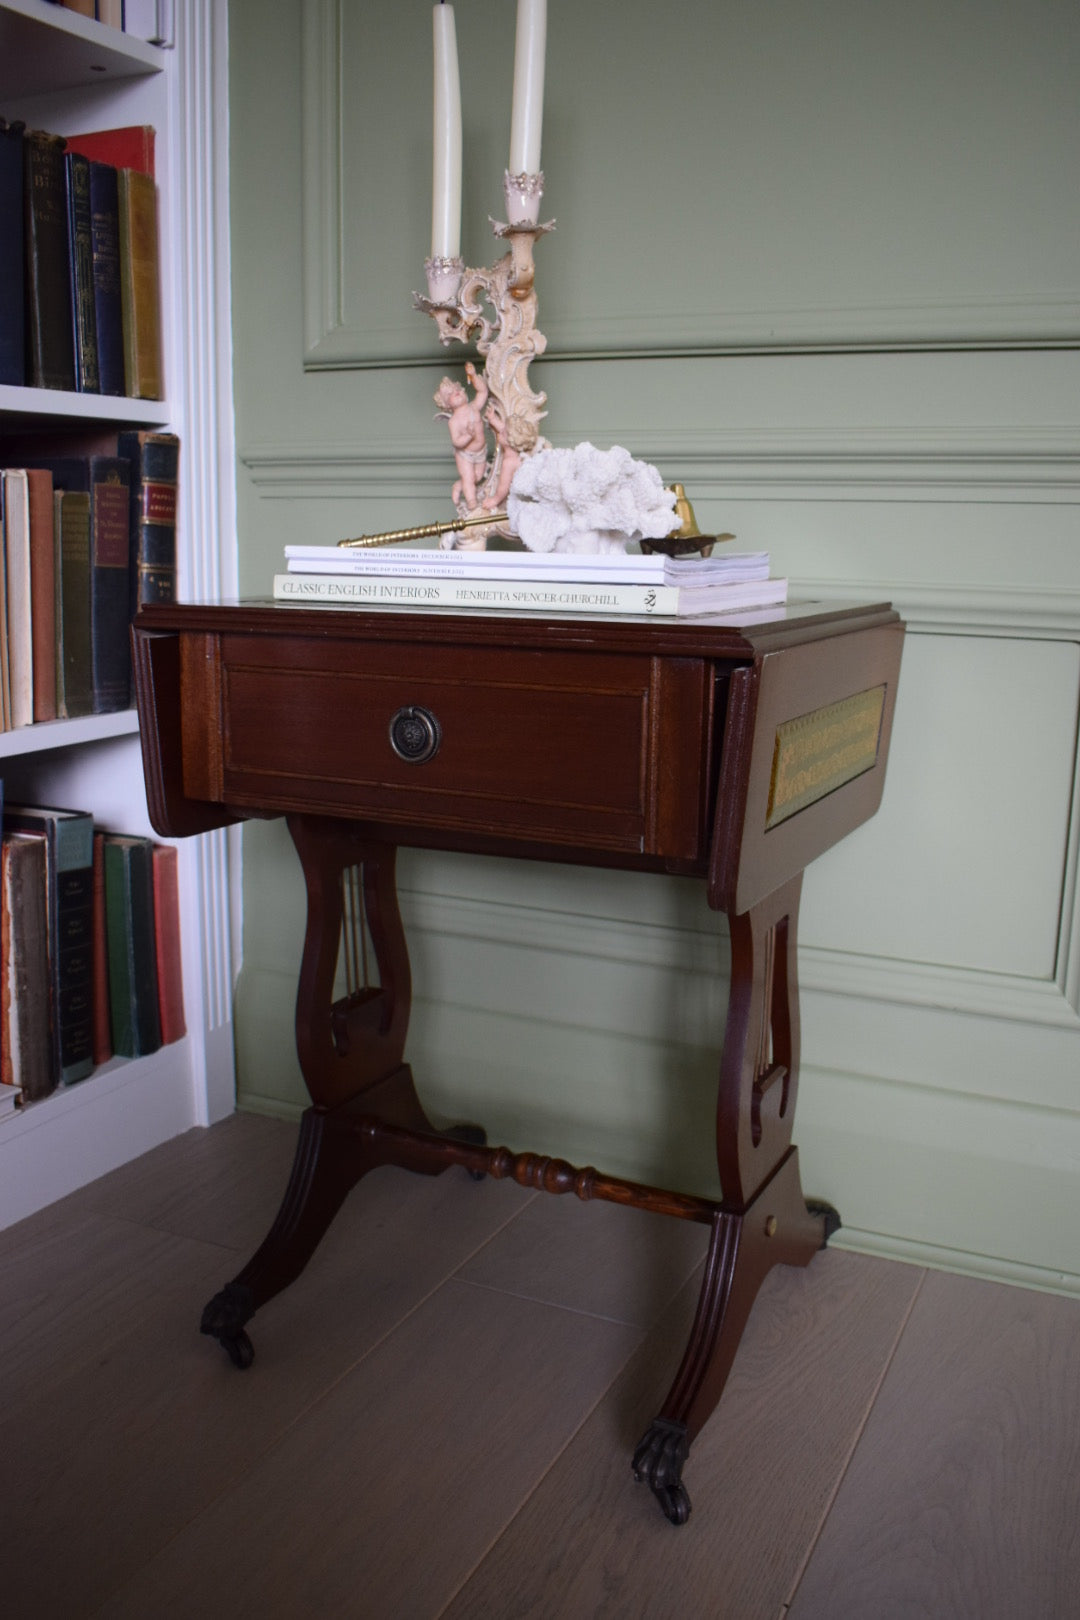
(822, 264)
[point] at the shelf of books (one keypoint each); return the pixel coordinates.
(107, 1041)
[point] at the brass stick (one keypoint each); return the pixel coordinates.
(424, 531)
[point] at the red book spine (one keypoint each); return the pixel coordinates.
(167, 943)
(131, 147)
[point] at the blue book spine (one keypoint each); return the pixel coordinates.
(12, 257)
(83, 303)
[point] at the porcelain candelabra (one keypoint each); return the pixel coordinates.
(496, 309)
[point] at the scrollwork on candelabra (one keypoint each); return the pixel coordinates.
(495, 308)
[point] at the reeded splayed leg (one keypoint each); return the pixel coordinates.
(763, 1219)
(350, 1039)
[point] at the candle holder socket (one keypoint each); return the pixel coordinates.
(523, 193)
(443, 278)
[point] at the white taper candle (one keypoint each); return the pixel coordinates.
(446, 168)
(528, 109)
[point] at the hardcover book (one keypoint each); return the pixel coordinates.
(69, 844)
(42, 591)
(592, 568)
(155, 462)
(140, 285)
(102, 1026)
(107, 481)
(529, 596)
(74, 670)
(20, 647)
(50, 335)
(105, 252)
(131, 146)
(25, 1038)
(5, 675)
(129, 923)
(83, 305)
(167, 943)
(12, 256)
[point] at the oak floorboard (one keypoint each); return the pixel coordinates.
(70, 1291)
(379, 1501)
(592, 1543)
(142, 1430)
(962, 1501)
(617, 1262)
(221, 1185)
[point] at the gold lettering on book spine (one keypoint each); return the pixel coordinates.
(819, 752)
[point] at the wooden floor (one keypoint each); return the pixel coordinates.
(442, 1409)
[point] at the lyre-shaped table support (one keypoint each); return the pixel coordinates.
(365, 1112)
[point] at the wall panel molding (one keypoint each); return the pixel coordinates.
(1002, 468)
(703, 951)
(898, 463)
(850, 287)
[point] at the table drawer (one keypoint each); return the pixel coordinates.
(603, 751)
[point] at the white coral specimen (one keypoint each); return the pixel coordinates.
(586, 499)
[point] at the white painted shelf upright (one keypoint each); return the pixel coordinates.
(64, 73)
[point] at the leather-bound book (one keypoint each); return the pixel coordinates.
(43, 590)
(69, 845)
(107, 480)
(167, 943)
(140, 285)
(49, 333)
(83, 303)
(5, 668)
(25, 1038)
(74, 670)
(129, 924)
(102, 1026)
(105, 249)
(155, 466)
(12, 256)
(130, 146)
(20, 652)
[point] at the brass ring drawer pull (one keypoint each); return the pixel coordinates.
(415, 735)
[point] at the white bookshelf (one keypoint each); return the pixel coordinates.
(40, 405)
(46, 48)
(65, 73)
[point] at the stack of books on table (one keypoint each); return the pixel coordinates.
(643, 584)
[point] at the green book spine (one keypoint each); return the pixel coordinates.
(155, 461)
(129, 927)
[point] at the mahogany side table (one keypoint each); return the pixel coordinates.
(734, 753)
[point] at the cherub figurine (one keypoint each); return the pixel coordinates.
(513, 439)
(465, 421)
